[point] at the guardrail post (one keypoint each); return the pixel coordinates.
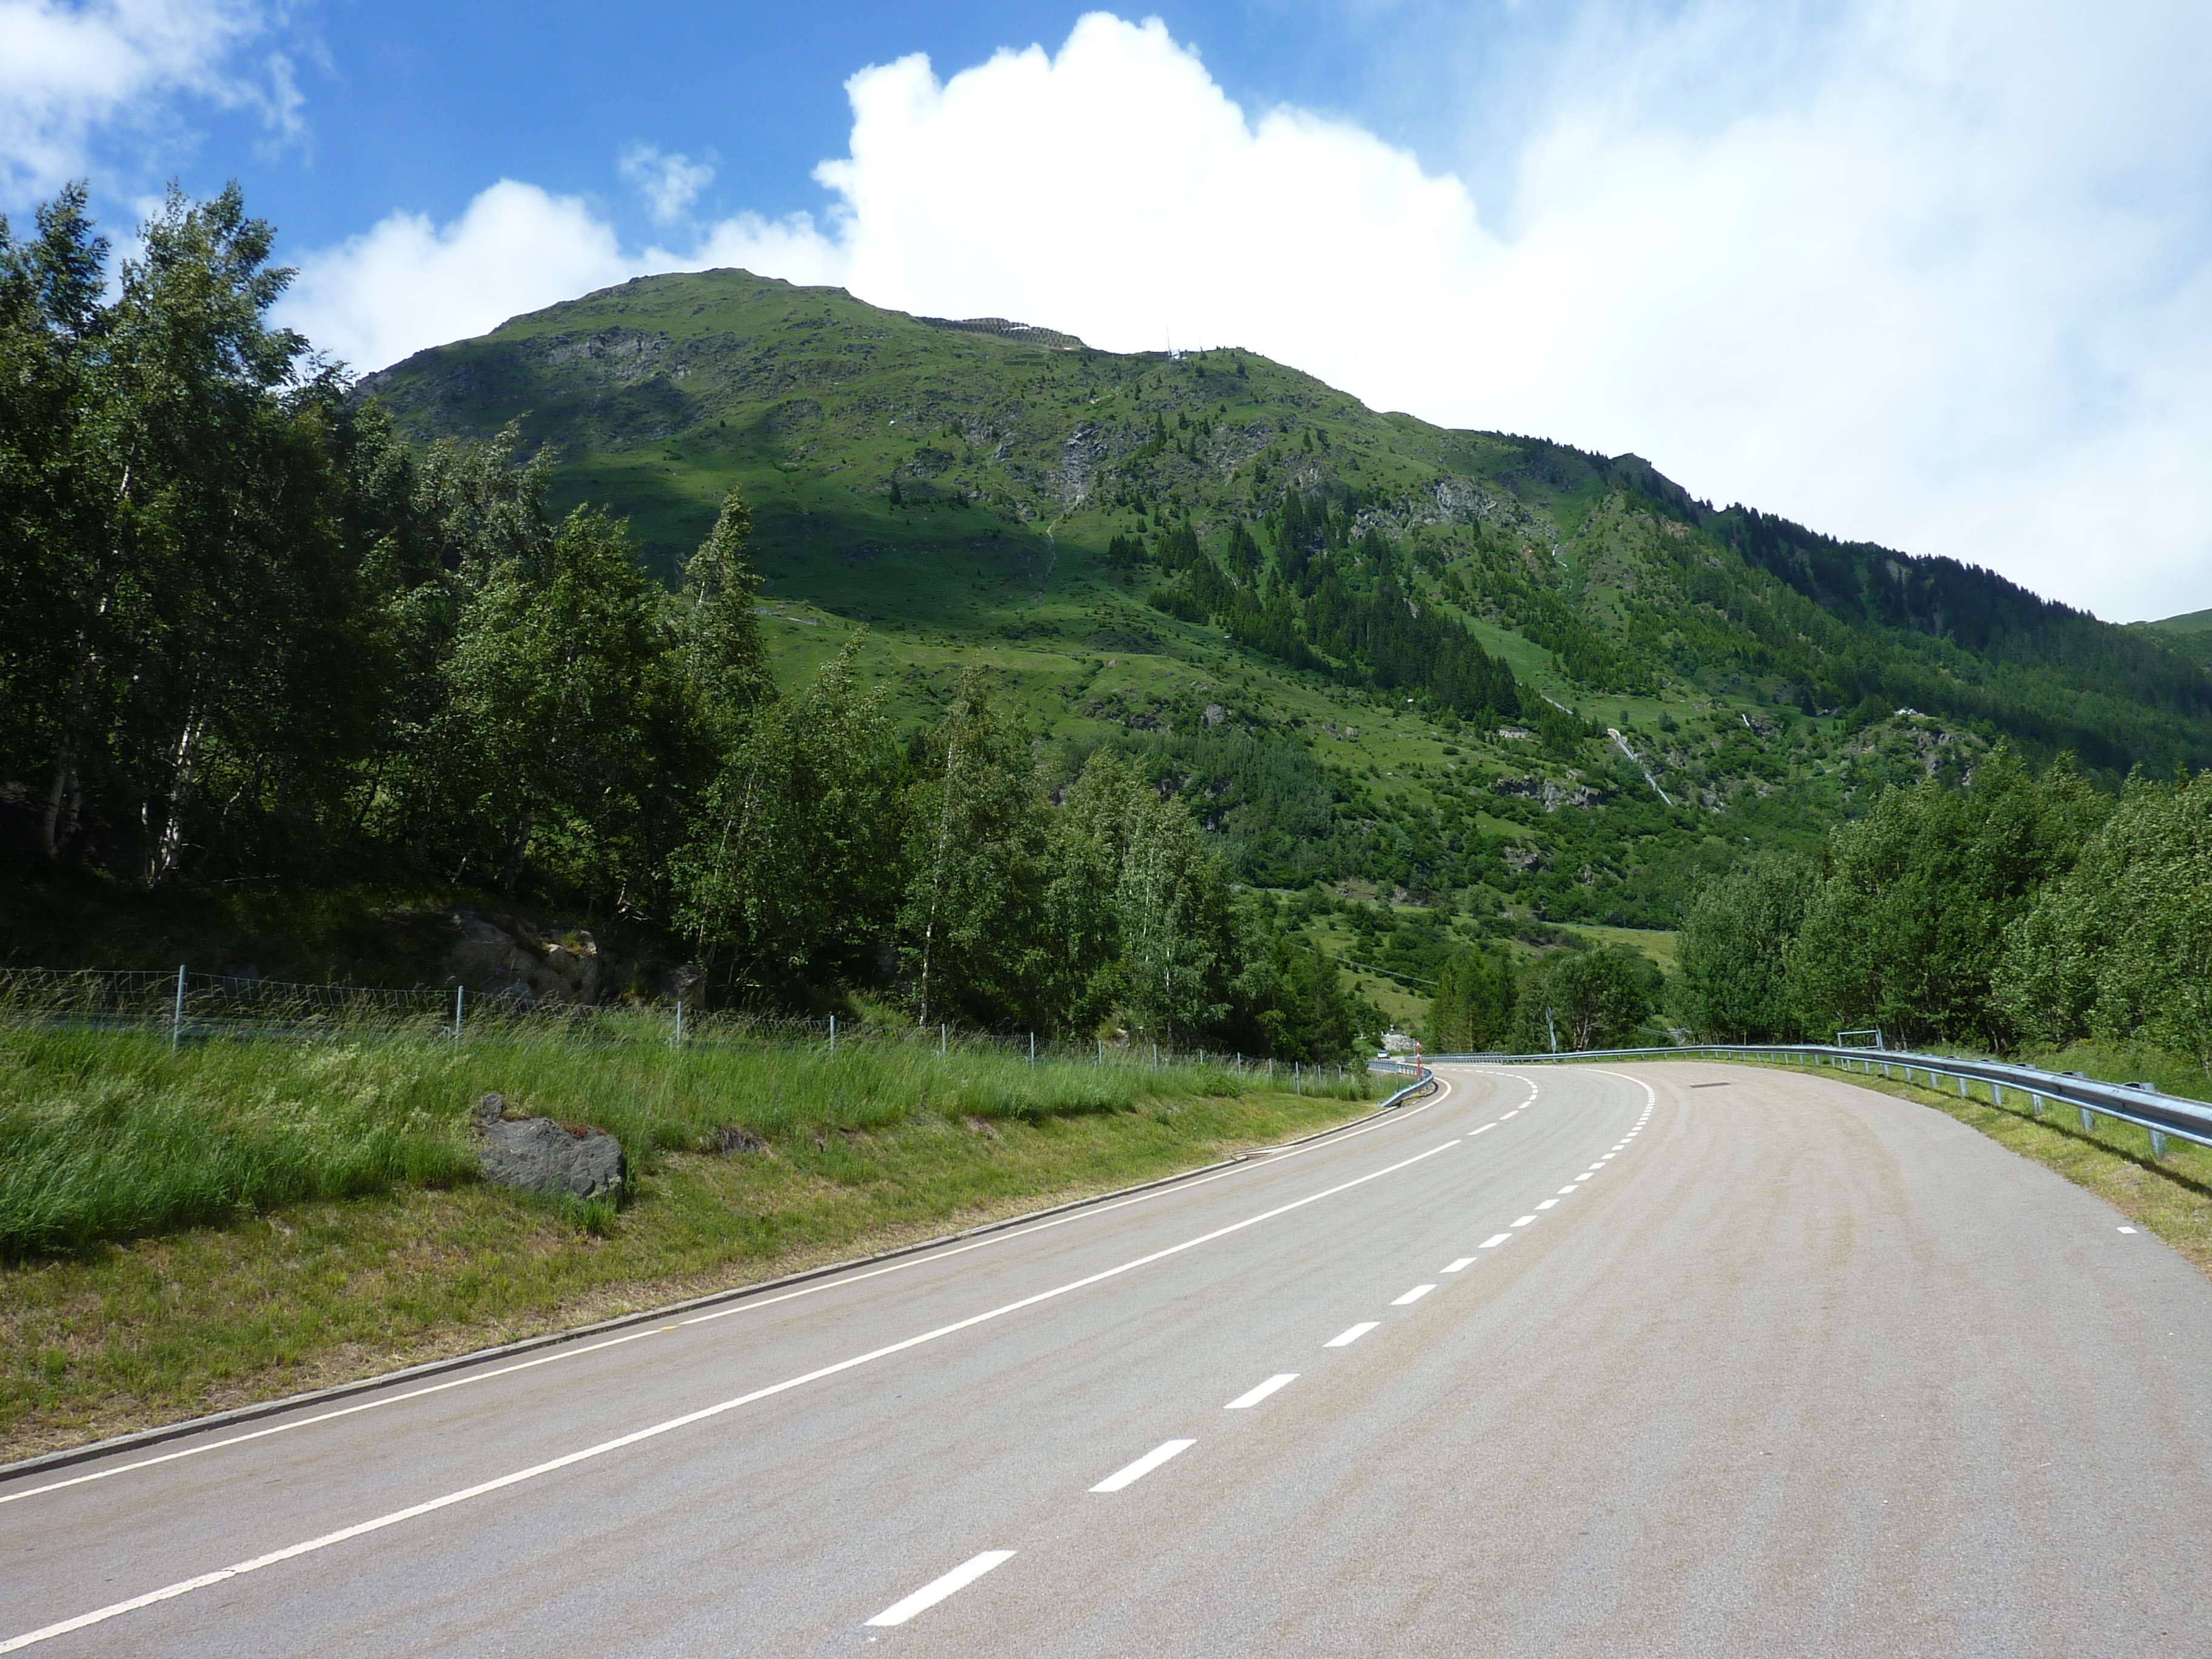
(2035, 1103)
(1963, 1094)
(2157, 1143)
(2088, 1119)
(1997, 1094)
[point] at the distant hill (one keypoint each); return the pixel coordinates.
(2192, 621)
(1146, 546)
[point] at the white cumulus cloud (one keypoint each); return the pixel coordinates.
(406, 283)
(70, 74)
(1939, 275)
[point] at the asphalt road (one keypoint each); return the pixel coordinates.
(1677, 1359)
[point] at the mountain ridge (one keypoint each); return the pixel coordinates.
(1133, 540)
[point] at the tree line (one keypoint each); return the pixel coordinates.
(1560, 1001)
(2023, 908)
(250, 632)
(1328, 603)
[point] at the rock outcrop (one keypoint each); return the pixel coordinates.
(538, 1155)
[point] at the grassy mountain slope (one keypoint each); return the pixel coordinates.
(977, 490)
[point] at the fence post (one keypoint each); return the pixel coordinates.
(1156, 1056)
(833, 1033)
(940, 1039)
(177, 1013)
(679, 1022)
(1102, 1051)
(1032, 1048)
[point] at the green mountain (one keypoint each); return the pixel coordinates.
(1379, 654)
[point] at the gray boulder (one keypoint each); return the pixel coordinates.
(538, 1155)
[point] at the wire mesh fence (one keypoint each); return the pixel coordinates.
(187, 1007)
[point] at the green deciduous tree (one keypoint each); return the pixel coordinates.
(1733, 984)
(1472, 1009)
(189, 655)
(2120, 946)
(970, 926)
(1138, 908)
(561, 708)
(1907, 926)
(790, 880)
(1589, 999)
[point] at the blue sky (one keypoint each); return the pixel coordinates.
(1935, 274)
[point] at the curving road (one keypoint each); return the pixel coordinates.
(1676, 1359)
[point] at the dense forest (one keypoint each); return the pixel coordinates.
(2018, 909)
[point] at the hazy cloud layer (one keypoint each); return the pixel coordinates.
(1937, 275)
(667, 184)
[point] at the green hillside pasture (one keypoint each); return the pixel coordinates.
(240, 1221)
(1656, 943)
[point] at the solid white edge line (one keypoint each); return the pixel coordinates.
(746, 1304)
(1251, 1397)
(1129, 1474)
(938, 1589)
(653, 1431)
(1345, 1339)
(1413, 1295)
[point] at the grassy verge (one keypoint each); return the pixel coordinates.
(245, 1221)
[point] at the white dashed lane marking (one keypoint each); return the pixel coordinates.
(1413, 1295)
(938, 1589)
(1130, 1473)
(1251, 1397)
(1346, 1339)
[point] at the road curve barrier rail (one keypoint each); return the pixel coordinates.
(1424, 1083)
(2163, 1115)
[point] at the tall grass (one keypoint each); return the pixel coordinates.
(112, 1136)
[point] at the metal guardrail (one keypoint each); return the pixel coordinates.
(2162, 1115)
(1425, 1081)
